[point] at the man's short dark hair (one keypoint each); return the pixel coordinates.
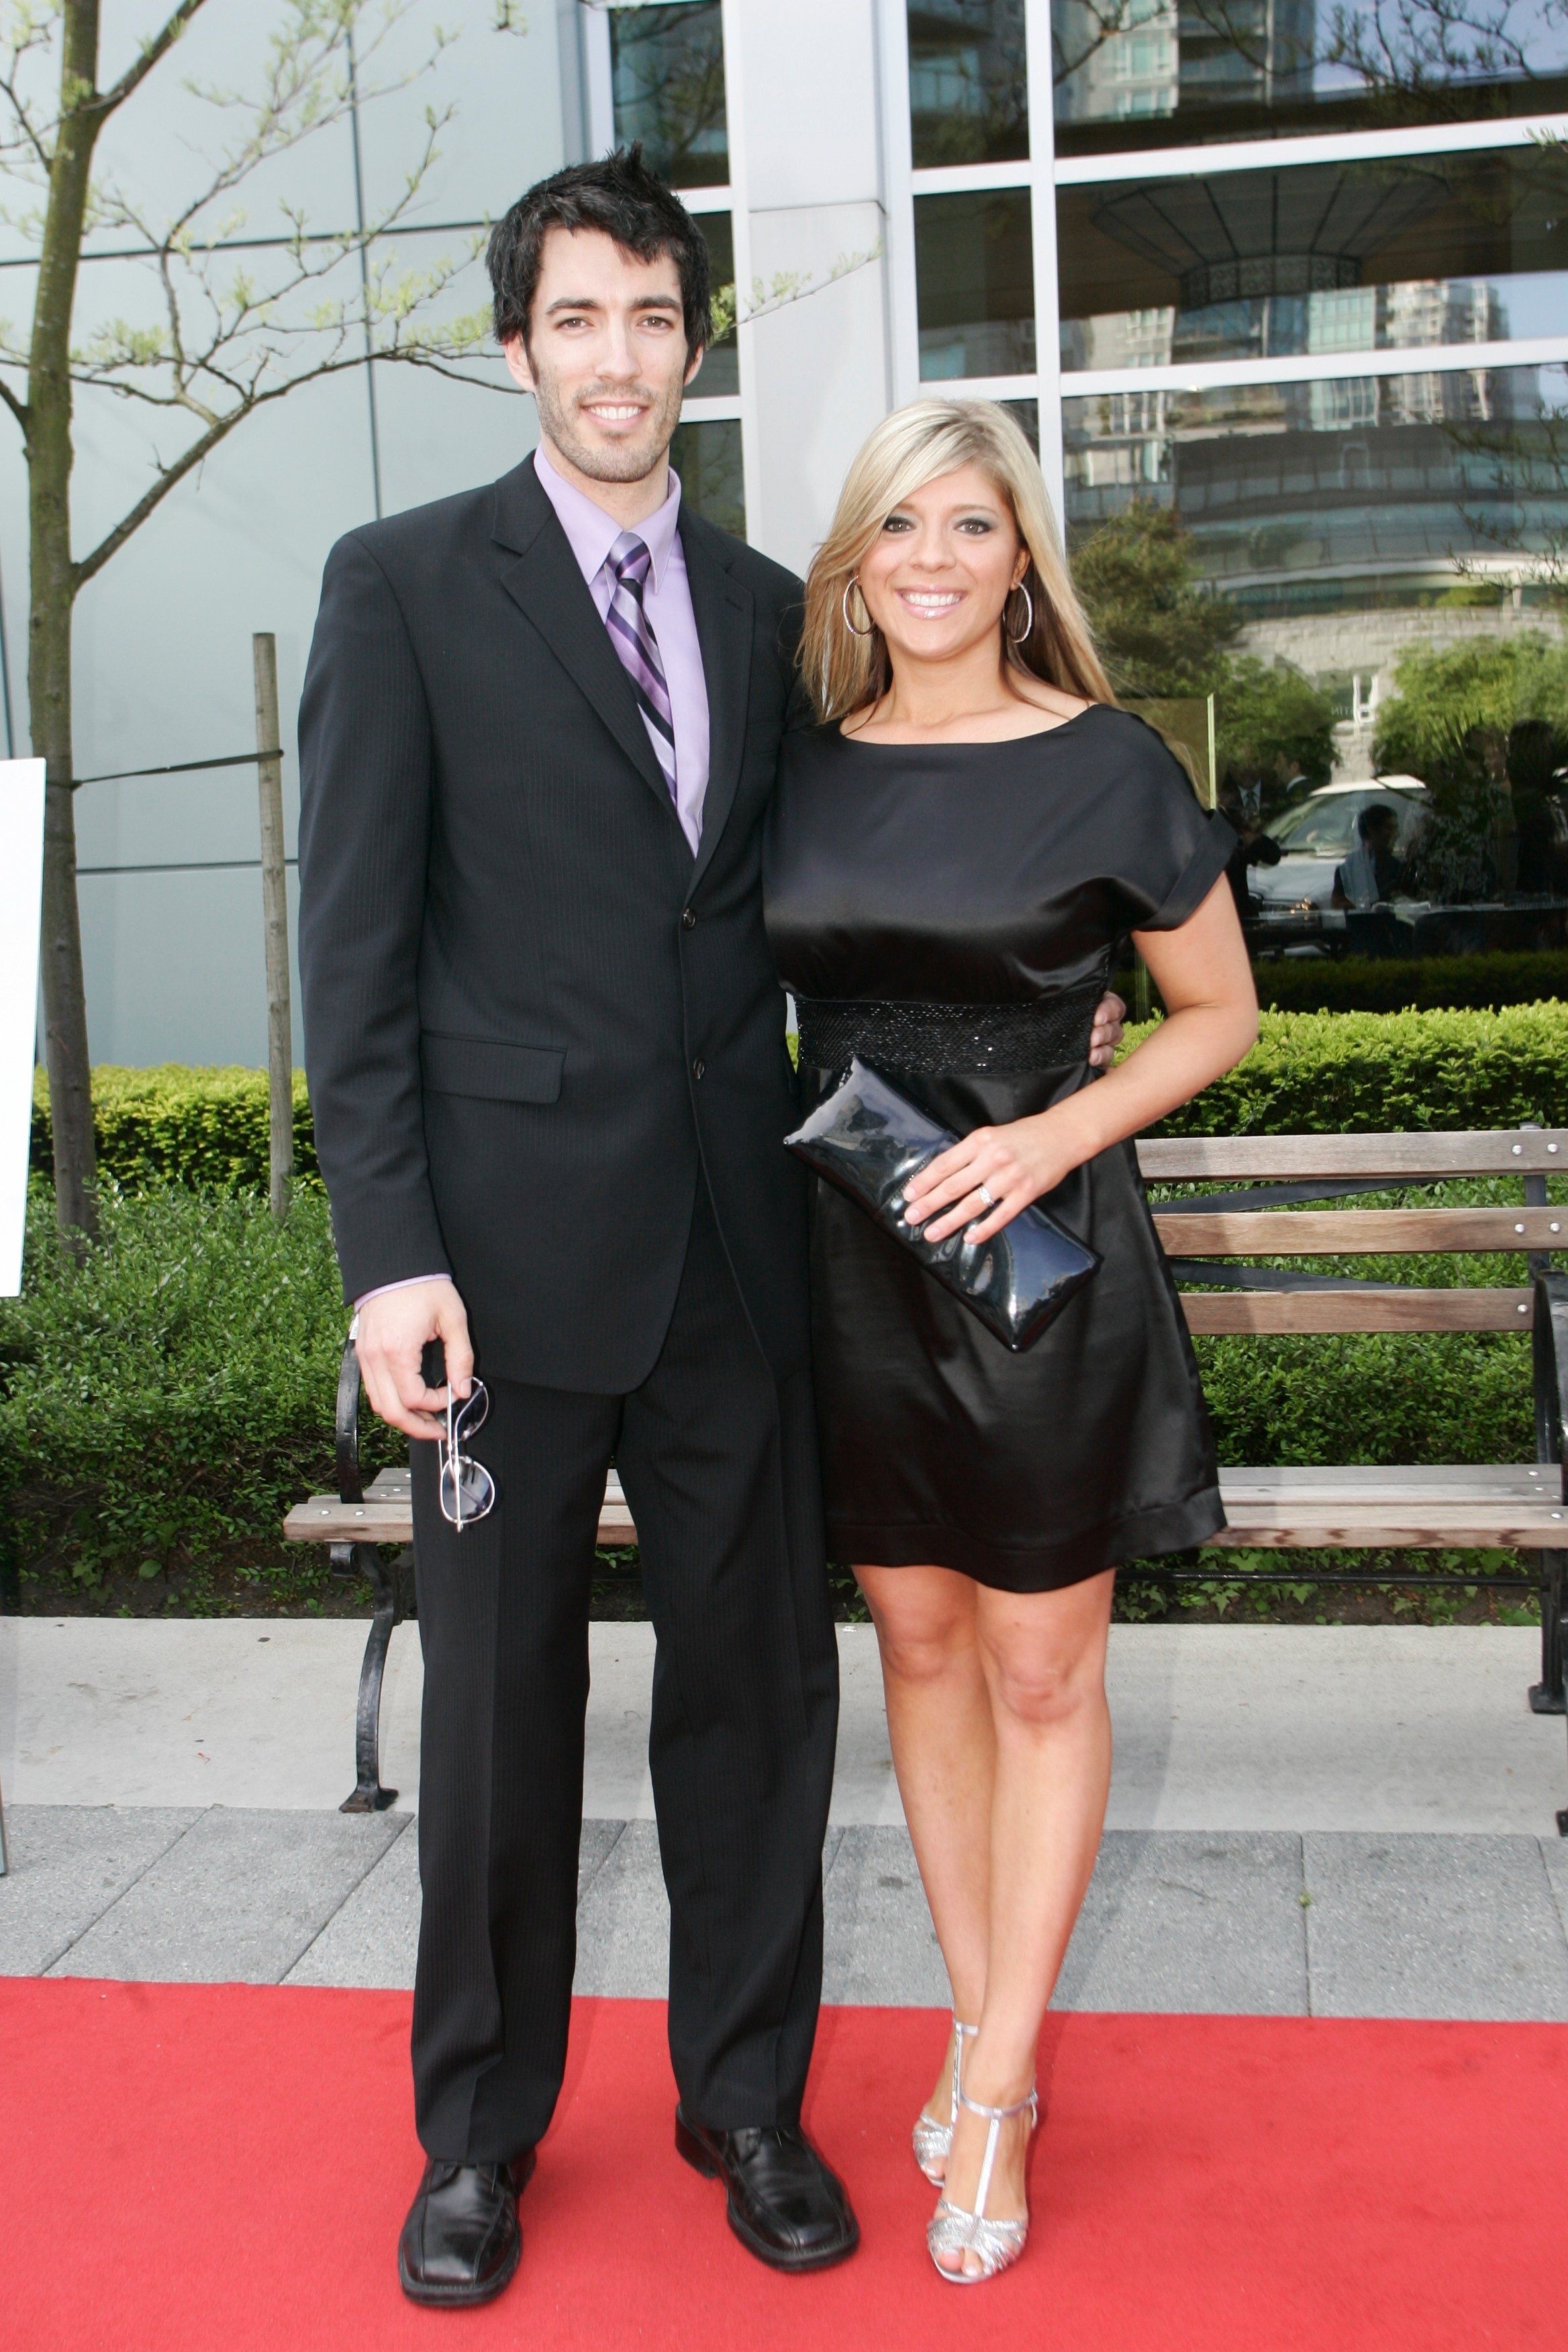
(619, 195)
(1376, 814)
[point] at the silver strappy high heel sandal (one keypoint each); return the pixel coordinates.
(952, 2230)
(932, 2140)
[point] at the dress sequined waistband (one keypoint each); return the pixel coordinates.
(1047, 1034)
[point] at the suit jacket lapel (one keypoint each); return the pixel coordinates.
(544, 581)
(725, 618)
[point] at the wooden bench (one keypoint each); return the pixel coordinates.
(1264, 1212)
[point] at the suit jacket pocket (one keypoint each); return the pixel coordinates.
(490, 1068)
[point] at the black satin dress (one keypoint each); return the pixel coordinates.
(951, 912)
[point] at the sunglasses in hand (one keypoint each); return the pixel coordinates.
(467, 1490)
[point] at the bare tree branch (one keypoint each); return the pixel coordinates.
(152, 51)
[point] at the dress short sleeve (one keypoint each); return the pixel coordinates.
(1167, 850)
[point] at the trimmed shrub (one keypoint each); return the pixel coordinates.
(1309, 1071)
(1371, 1396)
(164, 1401)
(1361, 1073)
(180, 1125)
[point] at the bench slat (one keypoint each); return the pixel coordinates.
(1407, 1309)
(323, 1519)
(1359, 1483)
(1370, 1507)
(1484, 1527)
(1173, 1159)
(1350, 1233)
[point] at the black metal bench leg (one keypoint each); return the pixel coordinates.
(1547, 1696)
(369, 1796)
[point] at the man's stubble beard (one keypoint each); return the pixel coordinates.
(627, 461)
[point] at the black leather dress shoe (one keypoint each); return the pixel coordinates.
(461, 2241)
(785, 2205)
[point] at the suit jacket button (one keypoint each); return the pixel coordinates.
(689, 919)
(698, 1067)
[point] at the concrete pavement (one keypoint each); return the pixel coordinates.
(1287, 1728)
(1324, 1821)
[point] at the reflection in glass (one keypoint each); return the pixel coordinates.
(974, 271)
(969, 99)
(1316, 258)
(707, 456)
(1325, 825)
(1355, 492)
(720, 371)
(667, 68)
(1141, 73)
(1026, 413)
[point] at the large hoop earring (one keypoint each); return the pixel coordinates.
(1028, 628)
(870, 630)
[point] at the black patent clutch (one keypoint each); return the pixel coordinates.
(870, 1140)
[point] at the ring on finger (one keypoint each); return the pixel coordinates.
(986, 1195)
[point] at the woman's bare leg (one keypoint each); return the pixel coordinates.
(1043, 1657)
(940, 1725)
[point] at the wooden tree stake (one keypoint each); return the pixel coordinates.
(275, 927)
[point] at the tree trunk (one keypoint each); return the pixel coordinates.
(53, 597)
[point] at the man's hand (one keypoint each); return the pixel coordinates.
(1106, 1035)
(394, 1330)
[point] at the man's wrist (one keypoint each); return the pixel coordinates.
(407, 1283)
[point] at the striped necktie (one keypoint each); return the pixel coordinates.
(631, 634)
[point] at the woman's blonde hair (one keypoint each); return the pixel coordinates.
(915, 445)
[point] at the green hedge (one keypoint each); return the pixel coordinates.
(1359, 1071)
(164, 1401)
(181, 1125)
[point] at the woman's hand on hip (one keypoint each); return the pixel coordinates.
(980, 1185)
(1106, 1036)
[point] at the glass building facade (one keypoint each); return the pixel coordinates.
(666, 86)
(1287, 284)
(1312, 189)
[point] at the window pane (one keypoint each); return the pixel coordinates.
(1353, 494)
(1352, 256)
(1027, 414)
(707, 456)
(668, 74)
(969, 98)
(721, 369)
(975, 265)
(1141, 73)
(1358, 659)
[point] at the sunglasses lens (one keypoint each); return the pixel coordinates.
(468, 1490)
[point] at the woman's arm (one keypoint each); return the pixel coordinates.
(1211, 1021)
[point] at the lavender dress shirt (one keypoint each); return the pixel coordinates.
(667, 600)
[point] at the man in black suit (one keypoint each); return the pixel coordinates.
(550, 1082)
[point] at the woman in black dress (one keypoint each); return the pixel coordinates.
(955, 855)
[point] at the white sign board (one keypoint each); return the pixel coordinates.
(21, 888)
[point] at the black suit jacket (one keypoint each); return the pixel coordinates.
(530, 1014)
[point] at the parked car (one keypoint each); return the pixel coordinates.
(1317, 833)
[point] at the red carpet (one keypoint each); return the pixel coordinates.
(221, 2168)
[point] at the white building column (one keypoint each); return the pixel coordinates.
(814, 371)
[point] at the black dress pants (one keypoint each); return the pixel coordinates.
(719, 1464)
